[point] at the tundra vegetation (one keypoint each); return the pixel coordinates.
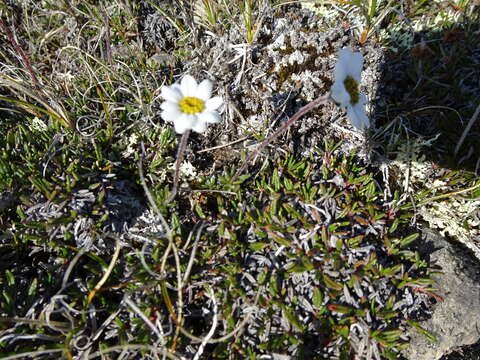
(120, 239)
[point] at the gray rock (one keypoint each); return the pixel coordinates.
(455, 322)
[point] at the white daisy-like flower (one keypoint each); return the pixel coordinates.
(345, 89)
(189, 105)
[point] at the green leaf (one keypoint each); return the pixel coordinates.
(199, 211)
(262, 277)
(343, 331)
(32, 287)
(10, 278)
(276, 180)
(279, 239)
(258, 246)
(331, 284)
(301, 265)
(317, 298)
(288, 184)
(409, 239)
(7, 297)
(394, 226)
(292, 319)
(342, 309)
(391, 271)
(422, 331)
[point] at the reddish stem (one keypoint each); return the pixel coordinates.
(296, 116)
(6, 29)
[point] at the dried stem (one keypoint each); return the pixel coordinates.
(467, 129)
(284, 127)
(176, 317)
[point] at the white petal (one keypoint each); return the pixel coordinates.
(349, 63)
(184, 122)
(341, 66)
(211, 117)
(213, 103)
(358, 116)
(340, 73)
(362, 99)
(355, 64)
(204, 90)
(199, 126)
(169, 106)
(189, 86)
(171, 93)
(170, 114)
(344, 53)
(340, 94)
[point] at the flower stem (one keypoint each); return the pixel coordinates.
(310, 106)
(180, 152)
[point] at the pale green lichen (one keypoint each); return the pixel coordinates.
(327, 12)
(38, 124)
(453, 216)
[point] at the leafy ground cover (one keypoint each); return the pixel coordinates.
(309, 253)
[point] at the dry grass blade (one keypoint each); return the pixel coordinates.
(32, 354)
(118, 247)
(58, 114)
(135, 347)
(467, 129)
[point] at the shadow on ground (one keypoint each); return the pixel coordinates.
(433, 89)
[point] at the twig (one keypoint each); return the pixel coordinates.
(193, 253)
(205, 340)
(146, 320)
(224, 145)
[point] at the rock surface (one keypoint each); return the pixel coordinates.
(455, 321)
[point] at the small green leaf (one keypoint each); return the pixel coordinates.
(33, 287)
(317, 298)
(342, 309)
(7, 297)
(394, 226)
(199, 211)
(301, 265)
(409, 239)
(10, 278)
(331, 284)
(258, 246)
(343, 331)
(279, 239)
(422, 331)
(292, 319)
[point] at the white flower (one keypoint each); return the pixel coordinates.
(190, 105)
(345, 89)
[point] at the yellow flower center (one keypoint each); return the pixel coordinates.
(191, 105)
(352, 88)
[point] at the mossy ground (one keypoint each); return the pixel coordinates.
(305, 255)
